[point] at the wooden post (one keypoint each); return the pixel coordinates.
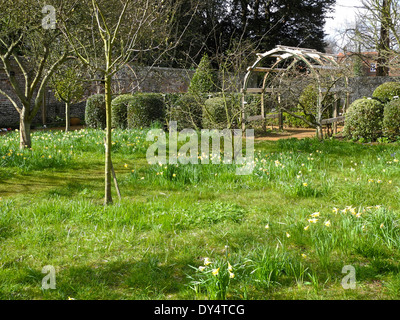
(335, 114)
(44, 120)
(280, 113)
(114, 175)
(243, 113)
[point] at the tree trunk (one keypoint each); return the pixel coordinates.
(67, 117)
(24, 131)
(320, 133)
(108, 197)
(384, 41)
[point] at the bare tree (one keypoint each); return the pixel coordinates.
(377, 28)
(118, 37)
(32, 50)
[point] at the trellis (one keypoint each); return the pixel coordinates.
(313, 61)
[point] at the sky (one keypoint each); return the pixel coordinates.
(345, 11)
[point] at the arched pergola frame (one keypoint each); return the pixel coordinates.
(313, 60)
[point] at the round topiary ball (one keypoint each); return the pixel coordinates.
(119, 111)
(221, 112)
(364, 120)
(387, 91)
(391, 120)
(95, 112)
(145, 110)
(187, 111)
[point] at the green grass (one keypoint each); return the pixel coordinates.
(151, 244)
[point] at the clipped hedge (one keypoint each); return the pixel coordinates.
(205, 78)
(95, 112)
(364, 120)
(387, 91)
(309, 99)
(187, 111)
(145, 110)
(391, 120)
(119, 111)
(294, 122)
(215, 112)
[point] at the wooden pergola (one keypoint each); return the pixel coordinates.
(313, 61)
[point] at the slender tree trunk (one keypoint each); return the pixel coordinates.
(24, 130)
(108, 197)
(67, 117)
(384, 41)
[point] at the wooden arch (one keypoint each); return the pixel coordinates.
(313, 60)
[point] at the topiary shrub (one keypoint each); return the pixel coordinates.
(145, 109)
(391, 120)
(205, 78)
(387, 91)
(364, 120)
(309, 99)
(95, 112)
(187, 111)
(119, 111)
(215, 112)
(294, 122)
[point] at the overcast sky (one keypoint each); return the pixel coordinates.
(345, 11)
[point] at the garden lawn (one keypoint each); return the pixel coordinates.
(286, 231)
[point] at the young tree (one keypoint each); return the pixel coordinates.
(378, 28)
(68, 88)
(31, 49)
(118, 37)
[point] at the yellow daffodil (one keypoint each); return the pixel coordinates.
(230, 268)
(305, 184)
(215, 272)
(304, 255)
(327, 223)
(267, 227)
(125, 165)
(335, 210)
(382, 225)
(231, 275)
(306, 228)
(207, 261)
(315, 214)
(202, 268)
(313, 220)
(287, 235)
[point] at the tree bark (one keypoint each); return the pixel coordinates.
(384, 41)
(67, 117)
(108, 197)
(24, 130)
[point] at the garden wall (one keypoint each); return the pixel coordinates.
(141, 79)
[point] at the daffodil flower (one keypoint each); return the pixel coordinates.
(327, 223)
(287, 235)
(207, 261)
(231, 275)
(314, 215)
(215, 272)
(306, 228)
